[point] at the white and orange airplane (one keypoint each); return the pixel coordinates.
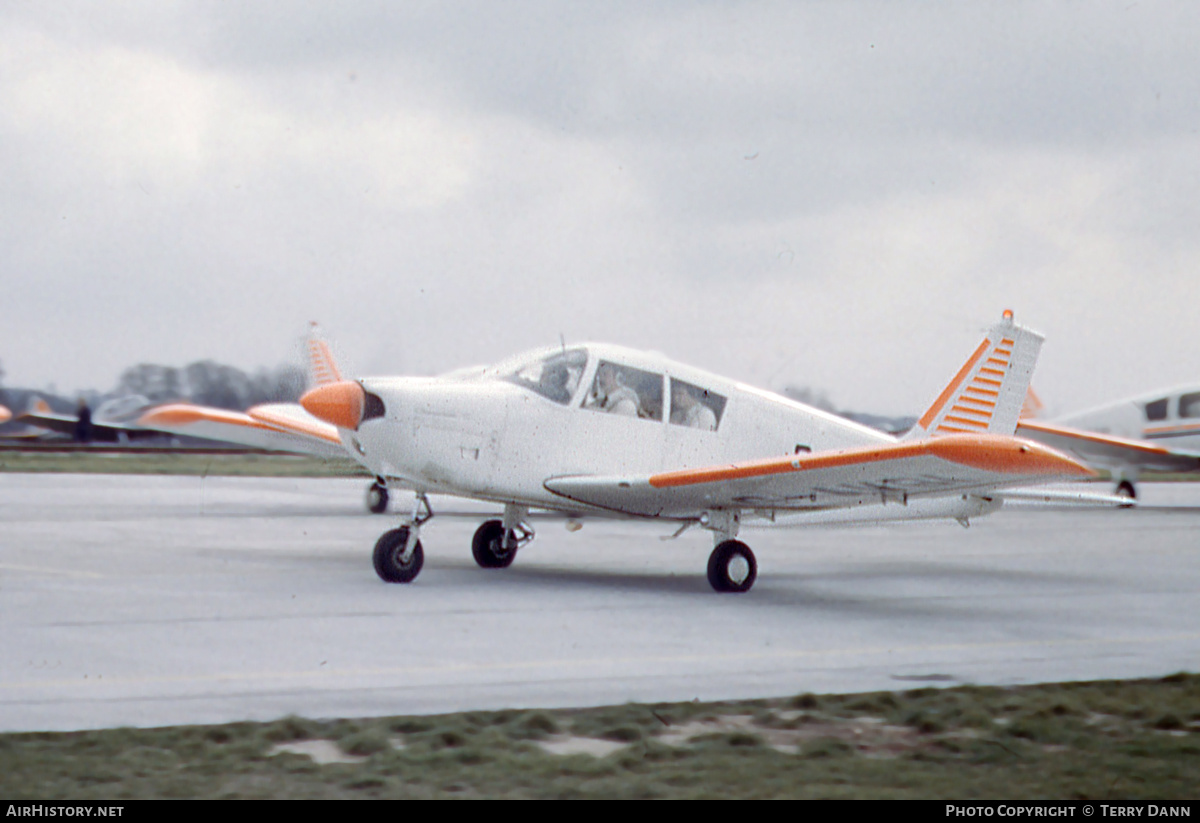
(1159, 431)
(604, 431)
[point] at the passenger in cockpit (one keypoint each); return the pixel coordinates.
(611, 395)
(688, 410)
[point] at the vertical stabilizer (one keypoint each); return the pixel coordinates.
(1033, 406)
(987, 394)
(322, 370)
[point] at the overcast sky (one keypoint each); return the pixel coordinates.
(842, 195)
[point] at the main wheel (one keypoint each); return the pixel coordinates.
(377, 498)
(389, 557)
(1126, 489)
(488, 546)
(732, 567)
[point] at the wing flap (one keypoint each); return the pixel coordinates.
(935, 467)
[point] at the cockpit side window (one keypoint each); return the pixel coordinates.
(695, 407)
(1157, 410)
(626, 391)
(555, 377)
(1189, 405)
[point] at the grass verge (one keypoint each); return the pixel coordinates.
(1109, 739)
(181, 462)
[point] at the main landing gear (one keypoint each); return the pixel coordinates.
(731, 566)
(398, 554)
(495, 543)
(377, 497)
(1126, 489)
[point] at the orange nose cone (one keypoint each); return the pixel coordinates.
(5, 414)
(338, 403)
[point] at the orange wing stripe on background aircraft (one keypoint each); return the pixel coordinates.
(185, 414)
(1035, 427)
(290, 423)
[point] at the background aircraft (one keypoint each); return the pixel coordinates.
(1159, 431)
(114, 421)
(602, 430)
(284, 427)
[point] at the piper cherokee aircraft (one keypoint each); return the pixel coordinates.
(602, 430)
(1127, 437)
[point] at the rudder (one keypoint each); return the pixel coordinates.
(987, 394)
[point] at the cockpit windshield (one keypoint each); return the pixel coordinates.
(555, 376)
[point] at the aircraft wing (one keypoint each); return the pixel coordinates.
(954, 464)
(1107, 450)
(276, 427)
(101, 432)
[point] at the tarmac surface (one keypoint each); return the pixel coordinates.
(149, 601)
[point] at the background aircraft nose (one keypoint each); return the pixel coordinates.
(338, 403)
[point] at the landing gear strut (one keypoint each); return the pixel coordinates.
(398, 554)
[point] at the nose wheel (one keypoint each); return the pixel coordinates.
(398, 554)
(396, 561)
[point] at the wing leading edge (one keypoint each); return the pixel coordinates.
(277, 427)
(934, 467)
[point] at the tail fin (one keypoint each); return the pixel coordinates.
(986, 395)
(322, 370)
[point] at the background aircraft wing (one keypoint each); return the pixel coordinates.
(276, 427)
(942, 466)
(100, 432)
(1107, 450)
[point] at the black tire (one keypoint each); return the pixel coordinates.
(1126, 489)
(487, 546)
(377, 498)
(389, 550)
(732, 567)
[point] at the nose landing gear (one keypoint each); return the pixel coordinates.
(398, 554)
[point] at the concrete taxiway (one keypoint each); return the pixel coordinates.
(135, 600)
